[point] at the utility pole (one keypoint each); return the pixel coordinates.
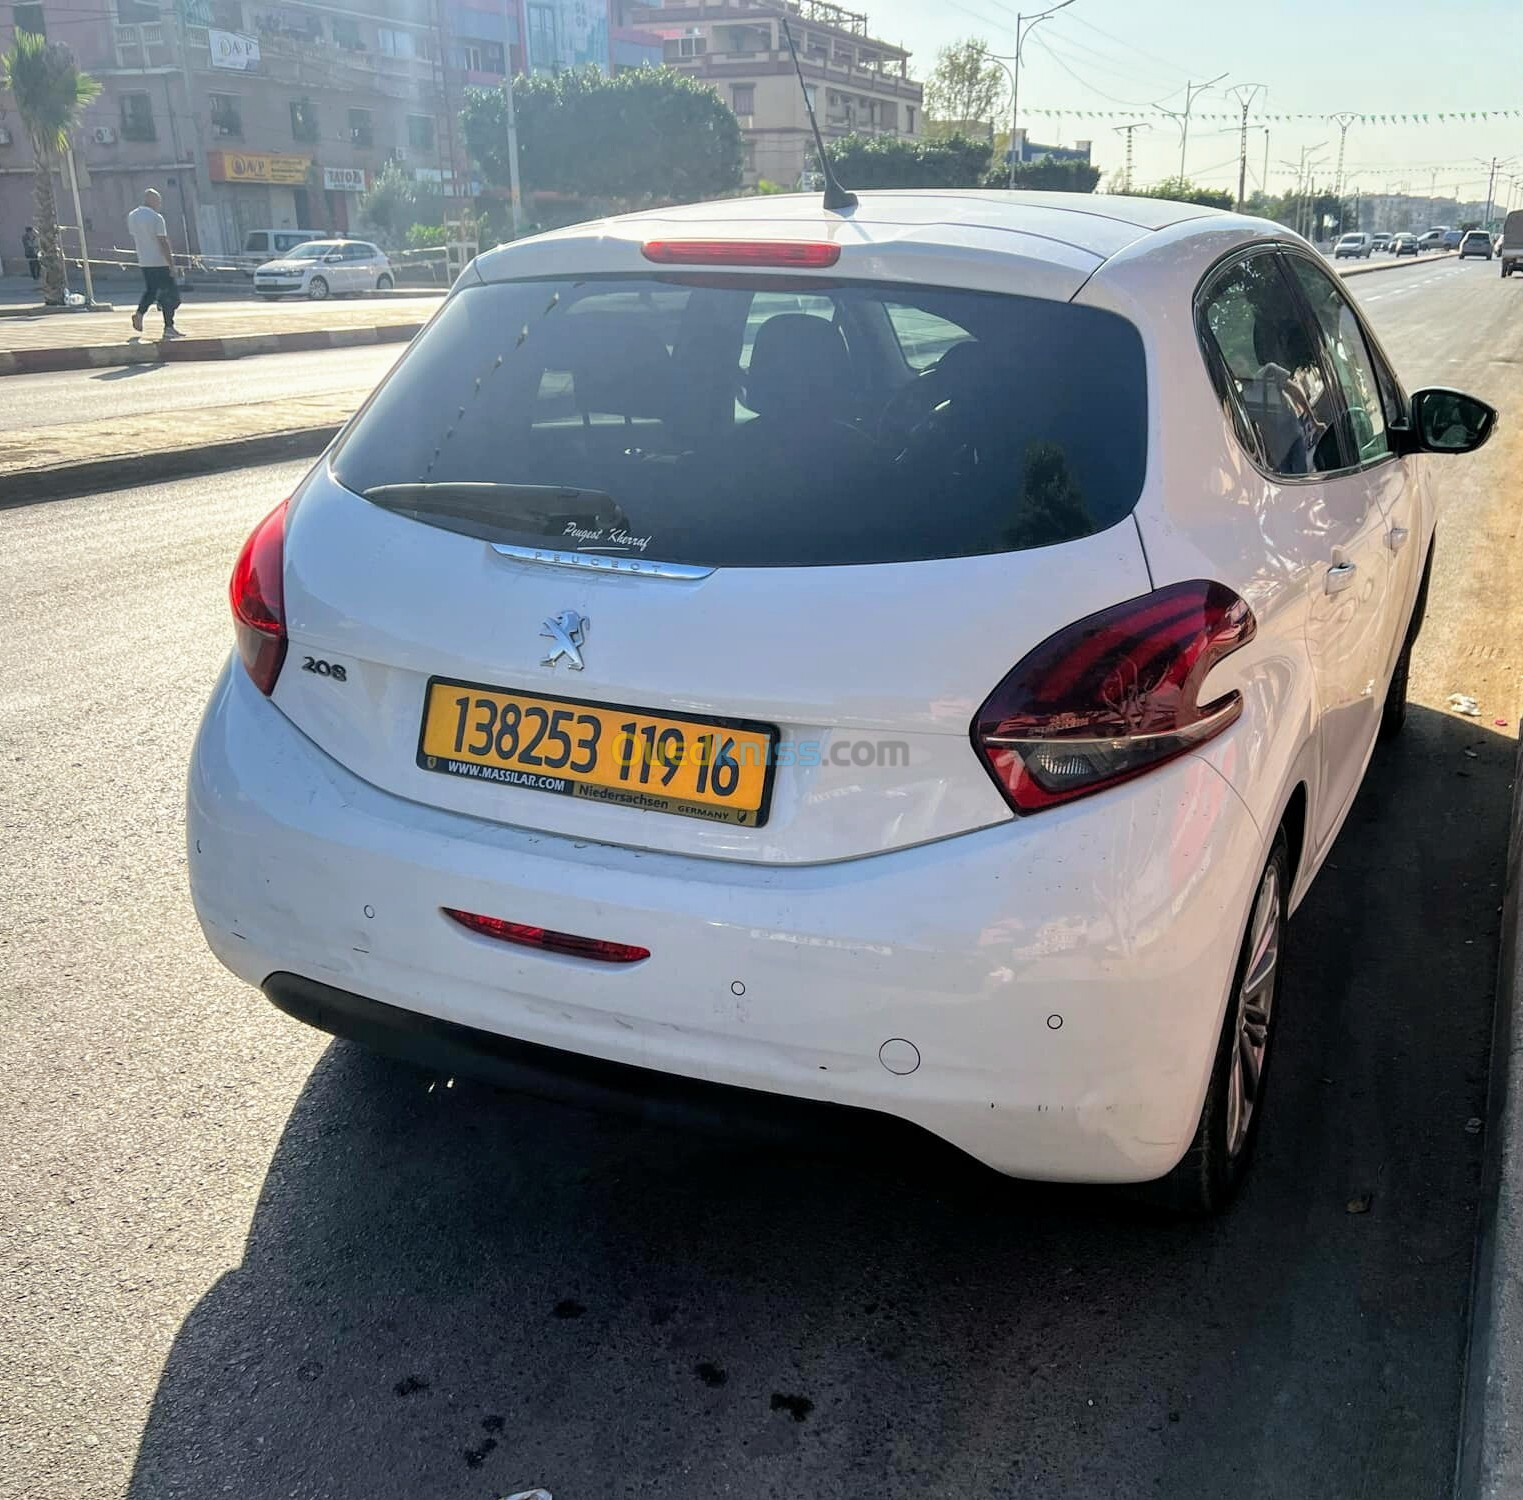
(197, 156)
(1127, 130)
(1243, 93)
(1343, 119)
(515, 198)
(1491, 183)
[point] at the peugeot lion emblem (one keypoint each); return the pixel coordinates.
(568, 630)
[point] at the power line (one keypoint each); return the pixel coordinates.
(1137, 103)
(1133, 47)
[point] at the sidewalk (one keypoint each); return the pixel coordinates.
(36, 343)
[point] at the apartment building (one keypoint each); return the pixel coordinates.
(251, 114)
(857, 83)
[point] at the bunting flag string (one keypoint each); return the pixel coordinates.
(1431, 117)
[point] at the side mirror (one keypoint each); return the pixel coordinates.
(1445, 421)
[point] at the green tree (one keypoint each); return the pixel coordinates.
(886, 161)
(650, 134)
(395, 202)
(50, 94)
(965, 90)
(1182, 190)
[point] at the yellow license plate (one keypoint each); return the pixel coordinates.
(718, 769)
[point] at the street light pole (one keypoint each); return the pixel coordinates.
(1491, 183)
(1191, 90)
(1023, 25)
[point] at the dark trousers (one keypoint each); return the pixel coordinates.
(34, 265)
(159, 286)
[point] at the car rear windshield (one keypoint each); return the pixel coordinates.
(749, 421)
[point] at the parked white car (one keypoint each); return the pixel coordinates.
(320, 269)
(914, 658)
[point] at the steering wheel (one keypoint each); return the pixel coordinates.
(920, 419)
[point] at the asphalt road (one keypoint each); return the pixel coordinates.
(33, 401)
(238, 1259)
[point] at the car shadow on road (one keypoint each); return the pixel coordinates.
(126, 372)
(449, 1291)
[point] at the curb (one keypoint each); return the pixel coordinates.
(1394, 264)
(1489, 1464)
(237, 346)
(66, 481)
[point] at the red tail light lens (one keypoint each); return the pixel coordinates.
(259, 602)
(548, 941)
(1112, 696)
(793, 254)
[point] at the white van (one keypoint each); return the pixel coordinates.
(260, 245)
(1512, 242)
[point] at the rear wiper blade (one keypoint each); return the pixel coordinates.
(544, 508)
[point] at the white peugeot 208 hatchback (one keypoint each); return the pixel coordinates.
(912, 658)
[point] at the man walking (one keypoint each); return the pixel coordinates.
(31, 247)
(150, 237)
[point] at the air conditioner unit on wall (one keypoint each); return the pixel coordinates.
(103, 135)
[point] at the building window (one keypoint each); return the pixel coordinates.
(909, 119)
(542, 49)
(743, 98)
(394, 43)
(227, 15)
(360, 130)
(303, 120)
(346, 33)
(137, 118)
(888, 114)
(226, 117)
(685, 46)
(481, 57)
(420, 132)
(29, 18)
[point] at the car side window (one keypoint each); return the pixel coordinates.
(1349, 355)
(1267, 365)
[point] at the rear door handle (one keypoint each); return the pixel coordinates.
(1396, 538)
(1340, 576)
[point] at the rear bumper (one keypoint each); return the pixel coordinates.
(1062, 977)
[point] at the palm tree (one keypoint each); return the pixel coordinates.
(50, 93)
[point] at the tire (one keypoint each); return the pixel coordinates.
(384, 283)
(317, 289)
(1215, 1166)
(1506, 269)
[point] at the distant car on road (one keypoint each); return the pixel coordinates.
(1432, 240)
(1452, 238)
(1476, 242)
(1354, 246)
(1404, 244)
(1381, 240)
(321, 269)
(1511, 247)
(555, 667)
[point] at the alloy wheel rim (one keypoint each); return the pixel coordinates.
(1255, 1001)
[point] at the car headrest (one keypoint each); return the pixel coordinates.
(619, 364)
(799, 369)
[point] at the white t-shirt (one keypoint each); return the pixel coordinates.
(147, 224)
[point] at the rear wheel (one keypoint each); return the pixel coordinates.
(317, 289)
(384, 283)
(1214, 1167)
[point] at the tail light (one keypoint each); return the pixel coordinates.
(795, 254)
(259, 602)
(1112, 696)
(547, 940)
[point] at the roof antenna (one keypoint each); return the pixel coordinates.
(837, 199)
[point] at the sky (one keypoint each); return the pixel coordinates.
(1395, 57)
